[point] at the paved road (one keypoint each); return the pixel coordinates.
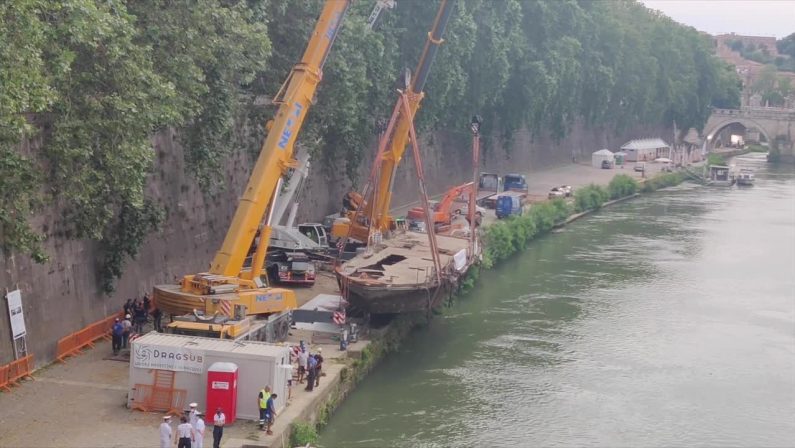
(577, 175)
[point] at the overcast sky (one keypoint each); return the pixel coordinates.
(747, 17)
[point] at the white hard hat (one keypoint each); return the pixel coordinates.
(166, 417)
(319, 349)
(193, 405)
(127, 316)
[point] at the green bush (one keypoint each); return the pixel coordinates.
(303, 433)
(514, 234)
(590, 197)
(622, 185)
(662, 181)
(715, 159)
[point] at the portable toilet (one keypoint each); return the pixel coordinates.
(619, 157)
(222, 390)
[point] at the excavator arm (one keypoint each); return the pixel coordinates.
(443, 211)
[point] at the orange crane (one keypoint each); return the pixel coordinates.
(375, 216)
(228, 288)
(443, 211)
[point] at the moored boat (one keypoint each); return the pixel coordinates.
(745, 177)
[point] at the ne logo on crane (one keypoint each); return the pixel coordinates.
(288, 130)
(332, 27)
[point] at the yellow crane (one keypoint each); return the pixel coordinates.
(228, 288)
(375, 214)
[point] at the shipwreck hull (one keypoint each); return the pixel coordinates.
(393, 299)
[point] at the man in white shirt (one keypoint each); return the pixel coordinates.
(303, 357)
(192, 414)
(165, 432)
(198, 431)
(219, 420)
(184, 435)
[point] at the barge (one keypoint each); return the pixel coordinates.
(399, 274)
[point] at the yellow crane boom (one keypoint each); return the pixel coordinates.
(227, 283)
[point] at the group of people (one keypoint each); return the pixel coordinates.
(310, 365)
(190, 431)
(136, 315)
(138, 311)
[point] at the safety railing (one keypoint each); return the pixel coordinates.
(4, 383)
(74, 343)
(11, 373)
(148, 398)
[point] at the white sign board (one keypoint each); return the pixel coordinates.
(15, 313)
(178, 359)
(221, 385)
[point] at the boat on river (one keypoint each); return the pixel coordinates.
(745, 177)
(720, 176)
(398, 274)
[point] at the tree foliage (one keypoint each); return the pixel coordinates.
(94, 81)
(90, 82)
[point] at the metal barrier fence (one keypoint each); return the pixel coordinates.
(12, 372)
(74, 343)
(149, 398)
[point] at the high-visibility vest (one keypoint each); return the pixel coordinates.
(263, 402)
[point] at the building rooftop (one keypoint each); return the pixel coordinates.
(645, 143)
(212, 344)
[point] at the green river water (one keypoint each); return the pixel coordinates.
(668, 320)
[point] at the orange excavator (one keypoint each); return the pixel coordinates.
(443, 211)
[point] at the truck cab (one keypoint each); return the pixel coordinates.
(489, 182)
(508, 205)
(315, 232)
(514, 182)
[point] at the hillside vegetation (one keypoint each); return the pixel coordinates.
(92, 80)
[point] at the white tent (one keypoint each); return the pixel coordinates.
(599, 156)
(646, 149)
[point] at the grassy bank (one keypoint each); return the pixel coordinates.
(507, 237)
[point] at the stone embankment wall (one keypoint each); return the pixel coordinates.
(63, 296)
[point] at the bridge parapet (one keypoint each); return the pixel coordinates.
(772, 113)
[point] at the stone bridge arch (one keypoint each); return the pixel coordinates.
(713, 127)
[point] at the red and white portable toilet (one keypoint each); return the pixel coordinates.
(222, 390)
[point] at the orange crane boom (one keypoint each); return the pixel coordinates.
(376, 210)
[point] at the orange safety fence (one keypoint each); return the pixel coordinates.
(149, 398)
(72, 344)
(15, 371)
(21, 368)
(4, 378)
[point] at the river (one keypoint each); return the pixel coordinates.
(668, 320)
